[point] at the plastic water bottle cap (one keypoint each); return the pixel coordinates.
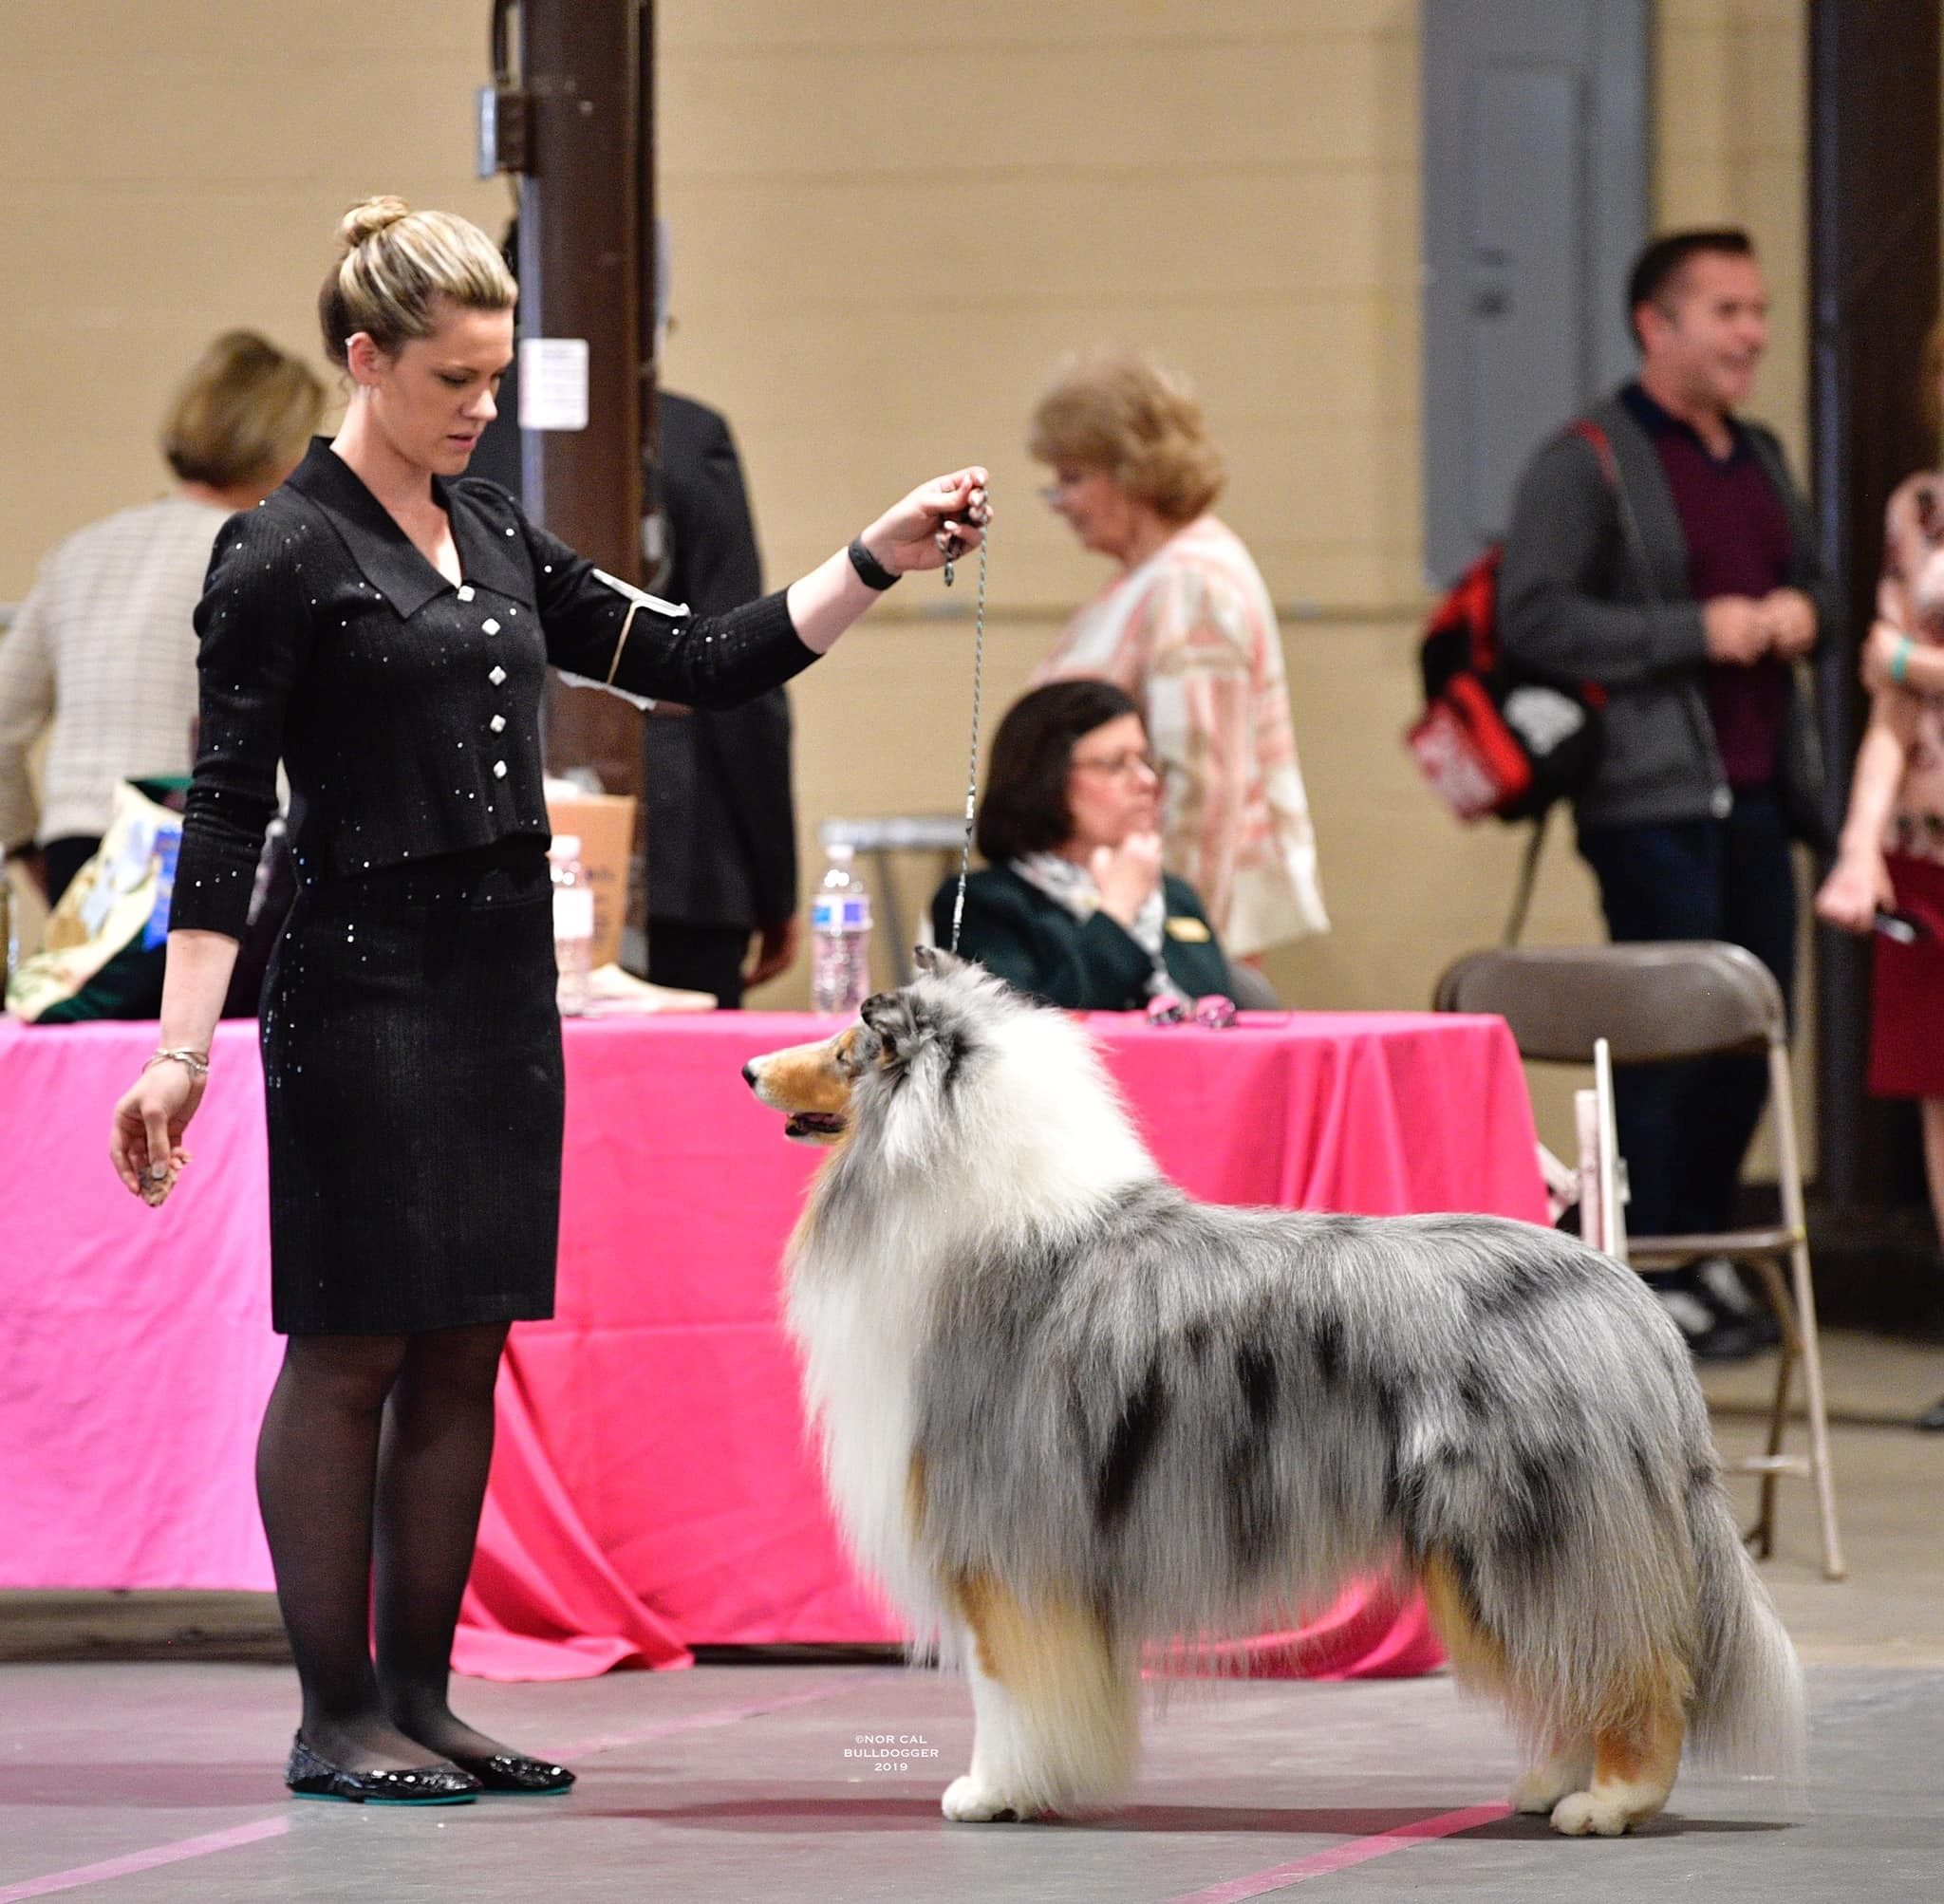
(566, 845)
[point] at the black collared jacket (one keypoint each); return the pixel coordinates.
(407, 712)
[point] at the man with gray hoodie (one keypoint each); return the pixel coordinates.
(1688, 591)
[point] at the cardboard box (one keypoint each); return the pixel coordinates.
(604, 823)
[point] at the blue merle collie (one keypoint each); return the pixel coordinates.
(1069, 1414)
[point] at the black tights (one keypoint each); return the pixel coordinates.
(370, 1471)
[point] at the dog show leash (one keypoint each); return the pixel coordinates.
(980, 518)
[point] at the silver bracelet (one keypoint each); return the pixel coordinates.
(197, 1061)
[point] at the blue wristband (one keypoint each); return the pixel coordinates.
(1899, 659)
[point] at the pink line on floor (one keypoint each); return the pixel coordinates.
(1340, 1857)
(274, 1827)
(145, 1860)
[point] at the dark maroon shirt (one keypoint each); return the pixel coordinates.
(1739, 543)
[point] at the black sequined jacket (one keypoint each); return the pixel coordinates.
(407, 711)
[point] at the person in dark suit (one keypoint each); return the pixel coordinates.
(721, 824)
(1073, 906)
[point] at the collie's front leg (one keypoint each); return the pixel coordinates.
(1054, 1700)
(996, 1788)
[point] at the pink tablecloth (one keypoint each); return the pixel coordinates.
(651, 1488)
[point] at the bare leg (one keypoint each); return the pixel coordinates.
(432, 1465)
(1932, 1114)
(1934, 1174)
(315, 1460)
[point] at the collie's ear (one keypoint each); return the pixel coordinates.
(888, 1015)
(936, 961)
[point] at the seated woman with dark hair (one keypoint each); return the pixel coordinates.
(1073, 906)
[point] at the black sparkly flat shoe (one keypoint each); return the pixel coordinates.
(309, 1777)
(515, 1774)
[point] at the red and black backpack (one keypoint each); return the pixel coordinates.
(1492, 740)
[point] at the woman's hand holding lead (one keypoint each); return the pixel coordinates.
(939, 520)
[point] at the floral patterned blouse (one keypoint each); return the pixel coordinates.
(1190, 634)
(1910, 597)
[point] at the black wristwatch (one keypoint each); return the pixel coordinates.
(870, 572)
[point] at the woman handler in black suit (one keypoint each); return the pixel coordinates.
(383, 625)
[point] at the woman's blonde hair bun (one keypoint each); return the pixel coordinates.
(366, 221)
(397, 269)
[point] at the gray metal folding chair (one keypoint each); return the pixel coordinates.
(1653, 1003)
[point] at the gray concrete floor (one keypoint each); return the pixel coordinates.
(731, 1781)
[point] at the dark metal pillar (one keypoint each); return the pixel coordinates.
(1874, 205)
(587, 265)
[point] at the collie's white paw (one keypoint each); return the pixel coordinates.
(971, 1801)
(1582, 1815)
(1538, 1791)
(1545, 1785)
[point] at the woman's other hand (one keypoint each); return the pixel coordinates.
(146, 1144)
(1128, 875)
(909, 534)
(1858, 887)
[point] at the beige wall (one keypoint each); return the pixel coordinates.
(1233, 184)
(173, 169)
(887, 225)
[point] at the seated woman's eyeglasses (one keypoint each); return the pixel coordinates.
(1118, 766)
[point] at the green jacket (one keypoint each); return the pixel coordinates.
(1032, 942)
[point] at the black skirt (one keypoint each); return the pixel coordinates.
(413, 1091)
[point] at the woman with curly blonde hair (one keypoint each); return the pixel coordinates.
(1187, 629)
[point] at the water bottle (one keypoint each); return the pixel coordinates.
(573, 923)
(839, 938)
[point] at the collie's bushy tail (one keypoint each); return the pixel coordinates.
(1749, 1710)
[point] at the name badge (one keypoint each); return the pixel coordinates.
(1189, 931)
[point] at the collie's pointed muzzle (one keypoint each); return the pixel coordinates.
(810, 1084)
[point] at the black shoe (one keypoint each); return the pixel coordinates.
(515, 1773)
(1711, 1336)
(1722, 1288)
(1932, 1420)
(309, 1777)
